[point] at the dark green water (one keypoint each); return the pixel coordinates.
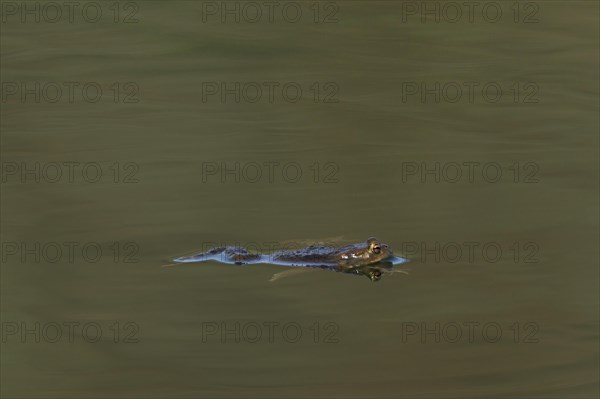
(361, 134)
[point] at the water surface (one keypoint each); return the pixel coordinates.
(353, 154)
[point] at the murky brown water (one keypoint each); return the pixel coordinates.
(379, 154)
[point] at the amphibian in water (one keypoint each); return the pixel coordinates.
(370, 258)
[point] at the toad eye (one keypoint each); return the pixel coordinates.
(376, 249)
